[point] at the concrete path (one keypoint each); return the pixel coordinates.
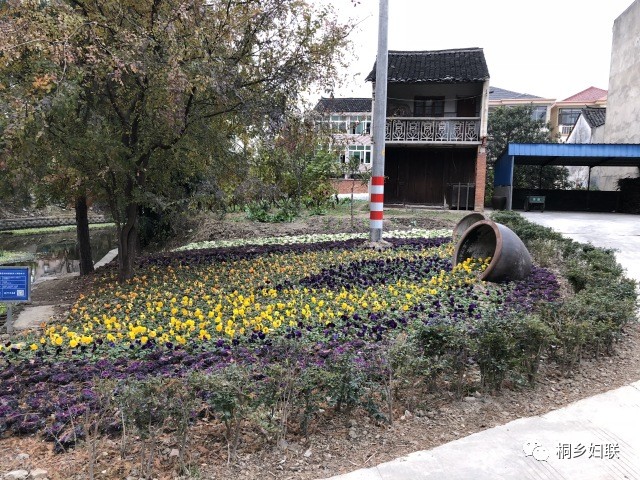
(35, 315)
(592, 439)
(111, 254)
(618, 231)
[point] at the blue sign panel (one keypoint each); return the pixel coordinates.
(15, 284)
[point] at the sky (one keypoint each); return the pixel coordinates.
(549, 48)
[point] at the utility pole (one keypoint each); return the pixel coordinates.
(376, 205)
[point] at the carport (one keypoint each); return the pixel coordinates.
(559, 154)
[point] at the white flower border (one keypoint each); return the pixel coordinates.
(313, 238)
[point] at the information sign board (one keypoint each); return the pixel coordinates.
(15, 284)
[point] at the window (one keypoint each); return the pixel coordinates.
(360, 125)
(539, 113)
(353, 124)
(428, 107)
(338, 123)
(568, 116)
(363, 152)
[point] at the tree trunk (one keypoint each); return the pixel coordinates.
(83, 236)
(127, 241)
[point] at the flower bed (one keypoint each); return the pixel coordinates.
(276, 332)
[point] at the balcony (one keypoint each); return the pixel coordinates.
(566, 129)
(433, 130)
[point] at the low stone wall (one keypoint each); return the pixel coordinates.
(39, 222)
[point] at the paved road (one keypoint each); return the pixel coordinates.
(618, 231)
(596, 438)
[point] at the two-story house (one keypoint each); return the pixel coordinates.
(437, 106)
(565, 113)
(349, 122)
(540, 107)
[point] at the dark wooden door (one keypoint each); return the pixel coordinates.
(422, 176)
(466, 107)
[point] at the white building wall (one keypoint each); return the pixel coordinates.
(623, 102)
(581, 132)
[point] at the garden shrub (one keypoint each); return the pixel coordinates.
(571, 333)
(590, 266)
(609, 307)
(258, 211)
(510, 346)
(532, 338)
(446, 347)
(347, 380)
(495, 352)
(148, 407)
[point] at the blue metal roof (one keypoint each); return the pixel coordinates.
(574, 154)
(566, 154)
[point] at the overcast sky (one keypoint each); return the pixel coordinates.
(548, 48)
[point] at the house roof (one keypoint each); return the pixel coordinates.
(591, 94)
(435, 66)
(496, 93)
(594, 116)
(343, 105)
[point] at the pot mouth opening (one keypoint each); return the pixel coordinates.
(466, 222)
(481, 240)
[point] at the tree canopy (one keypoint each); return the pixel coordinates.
(142, 97)
(508, 124)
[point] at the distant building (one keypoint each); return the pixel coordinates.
(565, 113)
(589, 128)
(541, 107)
(349, 121)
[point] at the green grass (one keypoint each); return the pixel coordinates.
(62, 228)
(12, 257)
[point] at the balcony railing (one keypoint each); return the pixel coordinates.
(566, 129)
(432, 130)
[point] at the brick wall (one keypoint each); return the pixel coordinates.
(481, 177)
(343, 186)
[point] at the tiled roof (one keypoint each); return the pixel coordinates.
(436, 66)
(343, 105)
(496, 93)
(591, 94)
(595, 116)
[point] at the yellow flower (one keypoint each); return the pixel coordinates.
(33, 346)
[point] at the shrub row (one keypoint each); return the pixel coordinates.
(602, 301)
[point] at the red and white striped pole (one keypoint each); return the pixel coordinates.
(376, 205)
(379, 127)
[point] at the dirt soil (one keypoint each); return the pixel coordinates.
(335, 445)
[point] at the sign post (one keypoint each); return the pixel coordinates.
(15, 286)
